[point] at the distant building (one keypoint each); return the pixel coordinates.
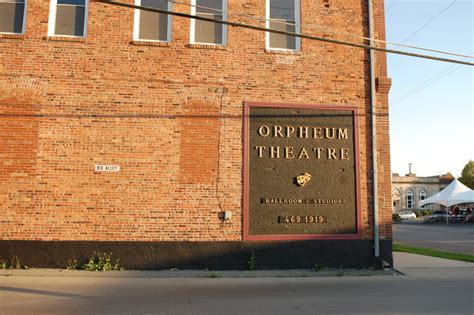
(409, 190)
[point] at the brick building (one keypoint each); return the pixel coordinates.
(124, 131)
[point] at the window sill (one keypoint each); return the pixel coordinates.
(12, 36)
(150, 43)
(207, 46)
(66, 39)
(283, 52)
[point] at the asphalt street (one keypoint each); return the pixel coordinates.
(426, 286)
(454, 237)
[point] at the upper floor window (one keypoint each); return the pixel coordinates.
(68, 18)
(12, 16)
(283, 15)
(203, 32)
(152, 26)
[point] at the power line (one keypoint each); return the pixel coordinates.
(429, 22)
(426, 49)
(264, 29)
(425, 85)
(440, 75)
(312, 26)
(390, 6)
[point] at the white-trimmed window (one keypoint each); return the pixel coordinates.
(203, 32)
(395, 199)
(409, 199)
(68, 18)
(12, 16)
(152, 26)
(283, 15)
(422, 196)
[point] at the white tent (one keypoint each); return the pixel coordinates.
(450, 195)
(463, 197)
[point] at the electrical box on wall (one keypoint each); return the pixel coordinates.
(225, 215)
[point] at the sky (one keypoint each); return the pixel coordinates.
(431, 102)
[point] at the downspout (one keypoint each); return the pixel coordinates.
(373, 103)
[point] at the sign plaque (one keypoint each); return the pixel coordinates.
(300, 172)
(106, 168)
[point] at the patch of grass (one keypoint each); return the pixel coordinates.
(319, 268)
(213, 275)
(432, 252)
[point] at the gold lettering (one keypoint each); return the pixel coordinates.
(289, 153)
(342, 133)
(329, 133)
(260, 149)
(332, 154)
(275, 152)
(277, 131)
(289, 130)
(302, 132)
(264, 131)
(303, 153)
(318, 152)
(318, 132)
(344, 154)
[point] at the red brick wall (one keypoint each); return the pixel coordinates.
(383, 84)
(169, 115)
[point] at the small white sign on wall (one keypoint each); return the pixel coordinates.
(107, 168)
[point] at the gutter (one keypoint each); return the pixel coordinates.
(373, 103)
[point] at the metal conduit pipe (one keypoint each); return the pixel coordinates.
(373, 102)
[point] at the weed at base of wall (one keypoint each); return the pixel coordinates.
(97, 262)
(12, 263)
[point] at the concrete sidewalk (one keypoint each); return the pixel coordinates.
(428, 286)
(430, 268)
(409, 261)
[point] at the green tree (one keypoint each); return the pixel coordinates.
(467, 175)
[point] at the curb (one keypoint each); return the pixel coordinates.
(294, 273)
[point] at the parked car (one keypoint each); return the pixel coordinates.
(438, 217)
(407, 215)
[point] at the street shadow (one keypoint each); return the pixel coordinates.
(43, 292)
